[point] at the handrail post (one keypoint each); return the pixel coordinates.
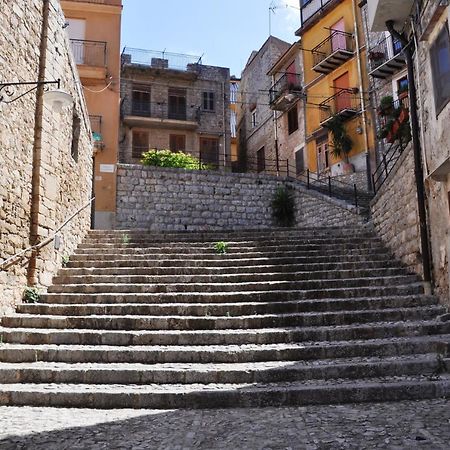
(385, 165)
(329, 184)
(373, 184)
(307, 178)
(287, 168)
(200, 160)
(356, 194)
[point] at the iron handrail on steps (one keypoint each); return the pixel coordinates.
(14, 259)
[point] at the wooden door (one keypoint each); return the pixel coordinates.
(77, 35)
(342, 87)
(338, 40)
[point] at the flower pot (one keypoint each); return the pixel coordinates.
(347, 168)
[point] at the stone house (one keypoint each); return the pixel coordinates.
(173, 101)
(426, 31)
(256, 130)
(285, 99)
(46, 157)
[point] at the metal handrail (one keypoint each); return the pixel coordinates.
(285, 83)
(343, 40)
(7, 263)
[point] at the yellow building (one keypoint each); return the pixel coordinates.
(336, 85)
(93, 27)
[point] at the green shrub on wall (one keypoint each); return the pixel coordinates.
(167, 158)
(283, 207)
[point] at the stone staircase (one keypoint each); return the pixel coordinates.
(285, 317)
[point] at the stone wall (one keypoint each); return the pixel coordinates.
(65, 182)
(170, 199)
(395, 215)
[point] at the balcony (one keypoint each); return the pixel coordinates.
(386, 58)
(90, 57)
(310, 7)
(381, 11)
(345, 103)
(96, 127)
(333, 51)
(285, 92)
(159, 115)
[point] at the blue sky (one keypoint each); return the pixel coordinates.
(225, 32)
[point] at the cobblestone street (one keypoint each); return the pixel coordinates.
(404, 425)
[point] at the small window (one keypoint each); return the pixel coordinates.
(253, 113)
(208, 101)
(402, 86)
(292, 120)
(440, 64)
(140, 144)
(261, 160)
(209, 151)
(177, 104)
(177, 142)
(299, 161)
(76, 130)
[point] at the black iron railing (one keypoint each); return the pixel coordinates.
(288, 83)
(346, 103)
(89, 53)
(384, 51)
(139, 108)
(159, 110)
(309, 8)
(337, 41)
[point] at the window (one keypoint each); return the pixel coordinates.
(76, 130)
(323, 158)
(140, 144)
(402, 86)
(209, 151)
(299, 161)
(292, 117)
(261, 160)
(440, 62)
(141, 101)
(208, 101)
(177, 104)
(177, 142)
(253, 113)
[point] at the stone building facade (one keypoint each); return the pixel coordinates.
(66, 156)
(175, 102)
(428, 29)
(256, 131)
(161, 199)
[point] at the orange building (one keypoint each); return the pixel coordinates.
(93, 27)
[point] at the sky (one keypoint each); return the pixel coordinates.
(224, 32)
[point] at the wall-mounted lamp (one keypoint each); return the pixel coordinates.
(10, 92)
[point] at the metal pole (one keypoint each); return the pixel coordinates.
(385, 165)
(373, 184)
(287, 168)
(329, 184)
(307, 178)
(356, 195)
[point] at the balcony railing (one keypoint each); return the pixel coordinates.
(96, 127)
(89, 53)
(285, 91)
(310, 8)
(386, 58)
(345, 103)
(333, 51)
(162, 111)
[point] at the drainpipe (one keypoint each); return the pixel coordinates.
(361, 90)
(37, 148)
(418, 163)
(275, 126)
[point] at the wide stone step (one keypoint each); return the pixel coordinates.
(210, 373)
(224, 395)
(93, 288)
(261, 269)
(284, 335)
(149, 354)
(109, 322)
(227, 309)
(229, 278)
(153, 261)
(231, 297)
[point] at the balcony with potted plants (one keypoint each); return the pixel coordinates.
(394, 120)
(285, 91)
(386, 58)
(333, 51)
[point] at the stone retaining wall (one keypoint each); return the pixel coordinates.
(162, 199)
(65, 181)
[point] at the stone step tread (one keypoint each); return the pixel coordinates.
(215, 367)
(155, 388)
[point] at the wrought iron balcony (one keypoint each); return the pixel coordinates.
(96, 127)
(333, 51)
(386, 58)
(345, 103)
(310, 7)
(285, 92)
(89, 53)
(142, 109)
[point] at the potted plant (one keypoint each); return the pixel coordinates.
(386, 106)
(341, 142)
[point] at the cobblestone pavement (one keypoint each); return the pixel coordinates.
(403, 425)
